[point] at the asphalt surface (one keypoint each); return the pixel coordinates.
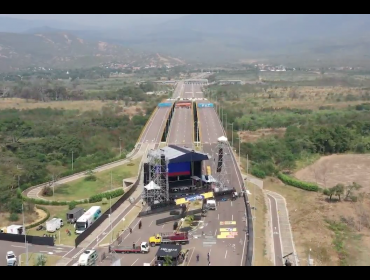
(210, 130)
(276, 237)
(178, 90)
(155, 126)
(198, 93)
(182, 128)
(19, 248)
(188, 91)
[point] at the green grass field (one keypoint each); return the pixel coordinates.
(51, 260)
(81, 189)
(60, 212)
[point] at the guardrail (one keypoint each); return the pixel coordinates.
(250, 233)
(114, 207)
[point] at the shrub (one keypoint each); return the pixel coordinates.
(90, 178)
(43, 220)
(99, 197)
(258, 173)
(104, 200)
(13, 217)
(298, 184)
(47, 191)
(72, 205)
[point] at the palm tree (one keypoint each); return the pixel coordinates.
(167, 261)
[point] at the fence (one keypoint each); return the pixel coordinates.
(104, 216)
(177, 217)
(250, 233)
(159, 210)
(36, 240)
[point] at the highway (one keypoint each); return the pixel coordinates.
(210, 130)
(188, 91)
(155, 126)
(178, 90)
(181, 129)
(198, 93)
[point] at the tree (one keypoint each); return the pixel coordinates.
(350, 188)
(55, 173)
(329, 192)
(41, 260)
(14, 129)
(168, 261)
(339, 190)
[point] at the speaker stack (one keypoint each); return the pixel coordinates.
(146, 174)
(219, 162)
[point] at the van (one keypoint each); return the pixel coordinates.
(88, 258)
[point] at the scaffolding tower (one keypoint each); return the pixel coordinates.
(222, 163)
(157, 191)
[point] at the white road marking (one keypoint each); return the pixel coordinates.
(218, 216)
(191, 255)
(215, 232)
(15, 246)
(151, 223)
(225, 254)
(134, 262)
(232, 217)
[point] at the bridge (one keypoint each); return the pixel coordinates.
(196, 81)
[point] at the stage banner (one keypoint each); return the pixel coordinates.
(191, 198)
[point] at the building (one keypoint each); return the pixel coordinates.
(230, 82)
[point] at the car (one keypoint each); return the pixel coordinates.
(11, 259)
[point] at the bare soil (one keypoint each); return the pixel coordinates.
(29, 218)
(334, 169)
(253, 136)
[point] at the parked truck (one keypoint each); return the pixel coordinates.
(54, 224)
(143, 248)
(15, 229)
(169, 238)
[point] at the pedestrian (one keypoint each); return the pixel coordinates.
(133, 245)
(209, 263)
(197, 258)
(140, 225)
(208, 256)
(130, 230)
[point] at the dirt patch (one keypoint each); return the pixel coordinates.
(335, 232)
(331, 170)
(29, 218)
(253, 136)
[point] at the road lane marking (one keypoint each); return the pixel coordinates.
(191, 255)
(225, 254)
(278, 220)
(272, 233)
(134, 262)
(15, 246)
(151, 223)
(232, 217)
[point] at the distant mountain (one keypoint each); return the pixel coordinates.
(61, 49)
(14, 25)
(225, 36)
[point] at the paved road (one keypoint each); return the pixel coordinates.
(178, 90)
(188, 91)
(19, 248)
(182, 130)
(34, 192)
(276, 237)
(198, 93)
(154, 128)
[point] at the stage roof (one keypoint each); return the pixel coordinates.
(169, 250)
(176, 154)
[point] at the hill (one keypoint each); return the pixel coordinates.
(231, 37)
(61, 49)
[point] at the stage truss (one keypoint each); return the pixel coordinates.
(158, 192)
(222, 163)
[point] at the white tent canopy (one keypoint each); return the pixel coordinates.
(152, 186)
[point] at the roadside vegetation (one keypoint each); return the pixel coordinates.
(307, 135)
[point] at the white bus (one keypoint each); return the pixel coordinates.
(87, 219)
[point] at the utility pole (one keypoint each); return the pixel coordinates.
(25, 235)
(120, 147)
(53, 184)
(232, 134)
(110, 208)
(72, 160)
(239, 148)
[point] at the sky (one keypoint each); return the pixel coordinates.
(101, 20)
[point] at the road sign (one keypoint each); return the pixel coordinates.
(227, 223)
(227, 229)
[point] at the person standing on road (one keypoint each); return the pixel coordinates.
(130, 230)
(208, 256)
(140, 225)
(197, 258)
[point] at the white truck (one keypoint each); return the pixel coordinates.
(54, 224)
(88, 258)
(11, 259)
(15, 229)
(211, 204)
